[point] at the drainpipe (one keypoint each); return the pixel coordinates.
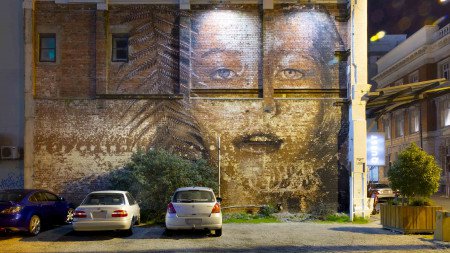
(357, 111)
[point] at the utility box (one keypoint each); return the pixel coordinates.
(442, 232)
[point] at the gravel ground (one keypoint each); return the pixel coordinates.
(268, 237)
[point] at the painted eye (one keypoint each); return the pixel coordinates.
(291, 74)
(223, 74)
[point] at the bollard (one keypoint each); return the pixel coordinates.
(442, 232)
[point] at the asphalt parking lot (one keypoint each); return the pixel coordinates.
(268, 237)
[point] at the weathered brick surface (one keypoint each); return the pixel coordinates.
(73, 75)
(293, 153)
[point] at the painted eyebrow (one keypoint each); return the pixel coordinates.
(217, 51)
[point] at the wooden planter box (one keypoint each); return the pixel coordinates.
(409, 219)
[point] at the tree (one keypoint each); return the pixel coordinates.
(415, 173)
(153, 176)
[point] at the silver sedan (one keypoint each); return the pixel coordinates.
(107, 210)
(194, 208)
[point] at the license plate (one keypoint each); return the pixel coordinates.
(99, 215)
(193, 221)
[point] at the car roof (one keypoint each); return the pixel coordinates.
(194, 188)
(109, 191)
(23, 191)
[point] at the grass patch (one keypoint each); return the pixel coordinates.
(249, 218)
(343, 218)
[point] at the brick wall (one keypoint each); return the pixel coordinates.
(288, 148)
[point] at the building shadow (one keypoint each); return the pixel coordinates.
(364, 230)
(292, 248)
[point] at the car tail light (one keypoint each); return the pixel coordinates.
(216, 208)
(12, 210)
(79, 214)
(119, 213)
(170, 208)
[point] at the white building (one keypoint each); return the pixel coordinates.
(411, 103)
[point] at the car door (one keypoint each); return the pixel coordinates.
(133, 205)
(56, 208)
(37, 202)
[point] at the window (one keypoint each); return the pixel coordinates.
(387, 129)
(47, 47)
(414, 77)
(388, 165)
(445, 113)
(400, 120)
(414, 121)
(445, 70)
(51, 197)
(120, 48)
(104, 199)
(131, 200)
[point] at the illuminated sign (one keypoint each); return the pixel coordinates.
(375, 149)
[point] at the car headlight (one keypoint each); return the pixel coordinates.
(11, 210)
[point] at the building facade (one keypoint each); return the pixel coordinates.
(418, 68)
(270, 81)
(11, 94)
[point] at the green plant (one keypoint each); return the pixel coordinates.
(421, 201)
(153, 176)
(344, 218)
(415, 173)
(337, 218)
(248, 218)
(267, 210)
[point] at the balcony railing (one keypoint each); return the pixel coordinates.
(441, 33)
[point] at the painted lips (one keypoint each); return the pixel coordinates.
(259, 143)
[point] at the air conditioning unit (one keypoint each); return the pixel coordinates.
(10, 152)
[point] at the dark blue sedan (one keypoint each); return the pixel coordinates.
(27, 210)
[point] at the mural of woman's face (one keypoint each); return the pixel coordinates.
(226, 53)
(266, 156)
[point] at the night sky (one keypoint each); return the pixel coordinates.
(405, 16)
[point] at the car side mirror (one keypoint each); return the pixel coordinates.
(219, 199)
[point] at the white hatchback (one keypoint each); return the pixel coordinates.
(194, 208)
(107, 210)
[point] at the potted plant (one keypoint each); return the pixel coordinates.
(416, 175)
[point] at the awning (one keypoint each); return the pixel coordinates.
(387, 99)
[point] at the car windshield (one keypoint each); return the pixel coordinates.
(104, 199)
(11, 196)
(193, 196)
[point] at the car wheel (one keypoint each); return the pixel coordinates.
(69, 216)
(218, 232)
(35, 225)
(168, 232)
(138, 220)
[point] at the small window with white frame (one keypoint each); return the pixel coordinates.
(444, 69)
(445, 113)
(387, 129)
(414, 77)
(120, 48)
(414, 121)
(399, 125)
(47, 47)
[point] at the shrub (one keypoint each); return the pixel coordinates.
(267, 210)
(153, 176)
(415, 173)
(421, 201)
